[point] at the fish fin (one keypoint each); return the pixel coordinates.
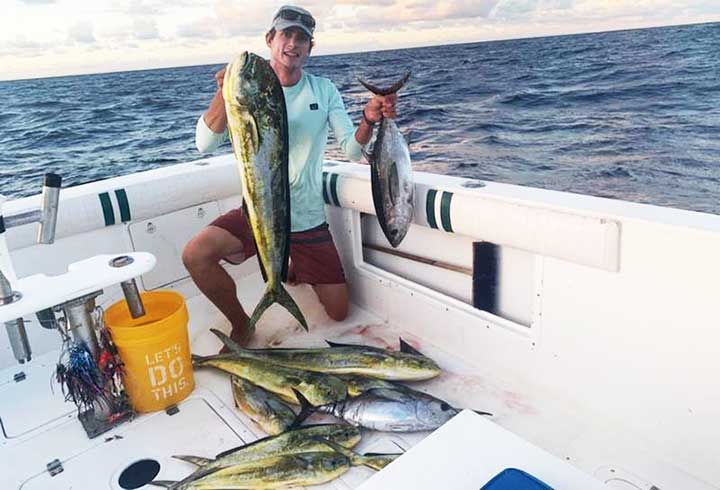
(385, 91)
(243, 446)
(227, 341)
(394, 183)
(284, 298)
(409, 349)
(262, 267)
(338, 344)
(390, 394)
(375, 188)
(354, 346)
(351, 455)
(408, 136)
(163, 483)
(378, 461)
(375, 461)
(251, 126)
(306, 409)
(196, 360)
(276, 293)
(196, 460)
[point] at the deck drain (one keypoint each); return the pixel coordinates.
(139, 473)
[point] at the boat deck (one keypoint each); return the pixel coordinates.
(42, 428)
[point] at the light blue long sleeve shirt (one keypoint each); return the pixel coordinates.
(314, 106)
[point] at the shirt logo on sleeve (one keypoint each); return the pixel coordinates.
(313, 106)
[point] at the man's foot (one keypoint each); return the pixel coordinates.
(240, 335)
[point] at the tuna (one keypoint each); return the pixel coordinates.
(391, 172)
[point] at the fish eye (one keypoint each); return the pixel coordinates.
(444, 407)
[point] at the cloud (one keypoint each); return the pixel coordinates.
(145, 29)
(82, 32)
(202, 29)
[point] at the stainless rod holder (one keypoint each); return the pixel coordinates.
(25, 218)
(49, 208)
(132, 296)
(80, 323)
(129, 287)
(18, 340)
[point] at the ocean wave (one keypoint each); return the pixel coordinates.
(631, 114)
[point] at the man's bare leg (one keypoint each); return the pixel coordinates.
(202, 256)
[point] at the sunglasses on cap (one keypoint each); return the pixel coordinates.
(291, 15)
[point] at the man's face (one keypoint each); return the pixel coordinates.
(290, 47)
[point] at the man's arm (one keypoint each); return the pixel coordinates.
(215, 116)
(376, 108)
(211, 126)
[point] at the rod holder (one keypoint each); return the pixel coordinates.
(49, 208)
(129, 287)
(132, 296)
(18, 340)
(80, 323)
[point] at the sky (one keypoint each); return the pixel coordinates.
(40, 38)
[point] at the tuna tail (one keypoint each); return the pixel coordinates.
(196, 460)
(306, 409)
(277, 294)
(385, 91)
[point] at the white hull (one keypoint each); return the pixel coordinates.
(600, 346)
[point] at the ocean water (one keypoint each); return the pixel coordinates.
(633, 115)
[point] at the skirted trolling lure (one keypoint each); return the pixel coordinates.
(80, 376)
(85, 380)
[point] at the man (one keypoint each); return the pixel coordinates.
(314, 106)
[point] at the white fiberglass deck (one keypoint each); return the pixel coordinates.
(208, 422)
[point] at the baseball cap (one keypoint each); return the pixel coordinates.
(292, 16)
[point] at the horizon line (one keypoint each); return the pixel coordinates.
(131, 70)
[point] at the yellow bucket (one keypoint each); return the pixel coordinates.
(155, 349)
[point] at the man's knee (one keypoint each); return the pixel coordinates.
(334, 297)
(202, 250)
(338, 311)
(192, 255)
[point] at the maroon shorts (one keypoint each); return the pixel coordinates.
(313, 254)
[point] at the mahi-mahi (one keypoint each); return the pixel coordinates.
(258, 129)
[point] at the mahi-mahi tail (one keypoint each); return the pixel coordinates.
(276, 293)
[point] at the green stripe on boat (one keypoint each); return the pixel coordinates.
(124, 205)
(108, 212)
(333, 188)
(430, 208)
(445, 210)
(326, 197)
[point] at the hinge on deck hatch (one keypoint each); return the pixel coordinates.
(19, 376)
(172, 410)
(54, 467)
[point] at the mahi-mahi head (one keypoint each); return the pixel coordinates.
(258, 129)
(391, 170)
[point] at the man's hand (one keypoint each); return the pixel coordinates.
(219, 78)
(381, 106)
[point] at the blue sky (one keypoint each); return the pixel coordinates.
(54, 37)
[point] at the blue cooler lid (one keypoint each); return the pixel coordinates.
(514, 479)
